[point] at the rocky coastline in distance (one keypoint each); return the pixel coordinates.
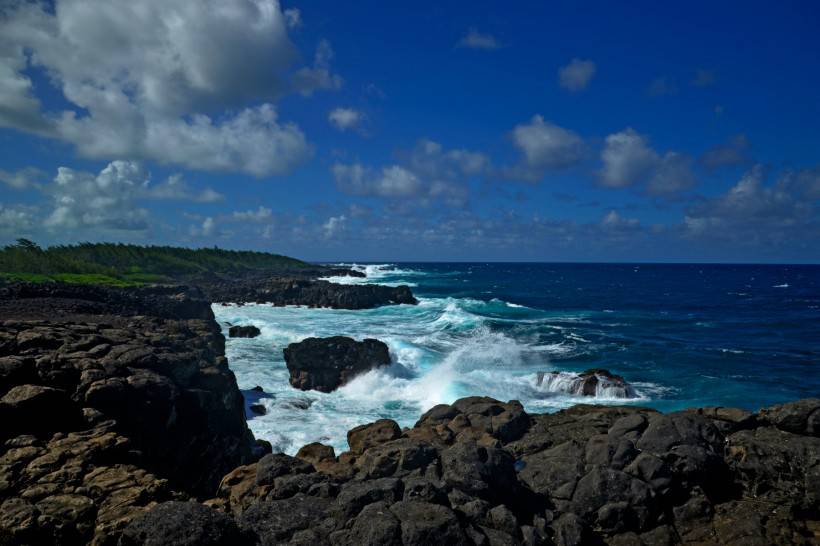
(123, 424)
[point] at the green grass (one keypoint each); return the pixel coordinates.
(130, 265)
(71, 278)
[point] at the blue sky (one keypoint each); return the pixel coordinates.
(571, 131)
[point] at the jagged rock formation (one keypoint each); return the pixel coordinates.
(121, 400)
(485, 472)
(311, 293)
(596, 382)
(325, 364)
(243, 331)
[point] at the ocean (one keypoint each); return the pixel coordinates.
(682, 335)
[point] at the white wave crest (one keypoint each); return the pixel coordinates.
(574, 384)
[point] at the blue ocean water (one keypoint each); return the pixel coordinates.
(682, 335)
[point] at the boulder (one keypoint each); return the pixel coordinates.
(423, 523)
(276, 522)
(366, 436)
(183, 524)
(315, 453)
(35, 409)
(325, 364)
(243, 331)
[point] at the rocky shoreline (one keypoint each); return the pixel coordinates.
(122, 424)
(308, 292)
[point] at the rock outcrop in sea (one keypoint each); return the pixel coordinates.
(243, 331)
(308, 292)
(325, 364)
(596, 382)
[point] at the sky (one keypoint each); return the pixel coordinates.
(397, 131)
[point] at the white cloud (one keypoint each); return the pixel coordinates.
(345, 118)
(16, 220)
(334, 226)
(391, 181)
(261, 214)
(83, 200)
(22, 178)
(753, 213)
(545, 146)
(477, 40)
(629, 160)
(733, 152)
(208, 226)
(672, 175)
(175, 188)
(141, 76)
(577, 74)
(429, 159)
(319, 76)
(293, 17)
(613, 220)
(428, 172)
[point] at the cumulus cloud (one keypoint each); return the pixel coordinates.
(672, 175)
(83, 203)
(345, 118)
(428, 171)
(629, 160)
(176, 188)
(160, 80)
(319, 76)
(83, 200)
(613, 220)
(390, 181)
(728, 154)
(22, 178)
(544, 146)
(577, 74)
(478, 40)
(261, 214)
(334, 225)
(752, 212)
(16, 220)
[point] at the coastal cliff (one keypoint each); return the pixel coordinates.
(122, 424)
(111, 400)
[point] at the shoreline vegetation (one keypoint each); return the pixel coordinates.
(117, 264)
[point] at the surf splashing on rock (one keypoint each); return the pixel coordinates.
(443, 349)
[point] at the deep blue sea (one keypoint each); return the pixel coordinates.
(681, 335)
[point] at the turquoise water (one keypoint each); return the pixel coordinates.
(682, 335)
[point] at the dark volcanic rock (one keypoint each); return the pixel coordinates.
(183, 524)
(481, 471)
(312, 293)
(111, 400)
(34, 409)
(592, 382)
(243, 331)
(325, 364)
